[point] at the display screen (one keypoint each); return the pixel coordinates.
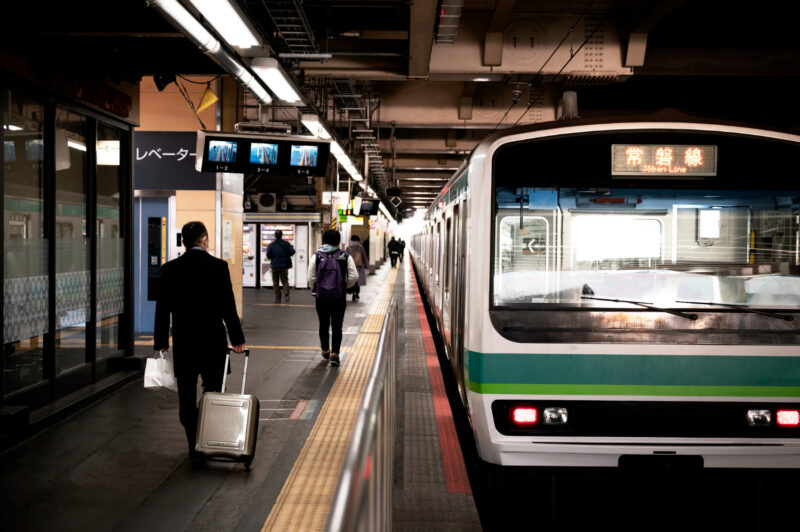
(663, 159)
(34, 149)
(263, 153)
(368, 207)
(222, 151)
(303, 155)
(271, 155)
(10, 151)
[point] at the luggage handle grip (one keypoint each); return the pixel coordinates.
(244, 372)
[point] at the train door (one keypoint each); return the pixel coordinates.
(446, 288)
(437, 274)
(459, 282)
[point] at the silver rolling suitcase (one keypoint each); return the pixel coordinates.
(227, 426)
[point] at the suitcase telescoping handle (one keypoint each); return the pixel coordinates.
(244, 373)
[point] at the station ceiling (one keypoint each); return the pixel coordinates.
(430, 78)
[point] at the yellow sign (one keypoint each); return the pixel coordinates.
(208, 99)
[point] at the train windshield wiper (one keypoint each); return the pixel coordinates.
(687, 315)
(743, 308)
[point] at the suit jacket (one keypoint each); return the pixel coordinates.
(196, 290)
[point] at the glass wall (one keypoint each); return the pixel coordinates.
(25, 281)
(110, 241)
(72, 245)
(65, 179)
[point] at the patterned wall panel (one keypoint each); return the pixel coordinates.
(110, 292)
(25, 307)
(72, 299)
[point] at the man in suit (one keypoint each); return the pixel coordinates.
(196, 290)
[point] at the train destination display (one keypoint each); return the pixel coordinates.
(261, 154)
(659, 160)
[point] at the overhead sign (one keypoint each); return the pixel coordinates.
(663, 159)
(396, 201)
(261, 154)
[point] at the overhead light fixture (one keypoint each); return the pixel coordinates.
(271, 72)
(184, 21)
(316, 128)
(480, 79)
(228, 22)
(182, 18)
(80, 146)
(11, 127)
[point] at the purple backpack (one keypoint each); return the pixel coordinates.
(330, 275)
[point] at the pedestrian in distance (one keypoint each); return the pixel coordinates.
(394, 251)
(402, 248)
(195, 290)
(280, 252)
(330, 274)
(359, 254)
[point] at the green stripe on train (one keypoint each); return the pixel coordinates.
(634, 374)
(692, 391)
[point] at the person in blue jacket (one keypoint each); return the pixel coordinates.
(279, 252)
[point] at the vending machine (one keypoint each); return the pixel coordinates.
(249, 255)
(267, 236)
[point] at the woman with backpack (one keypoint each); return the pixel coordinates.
(330, 274)
(359, 254)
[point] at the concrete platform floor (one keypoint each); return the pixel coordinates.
(121, 464)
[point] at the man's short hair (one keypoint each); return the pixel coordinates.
(278, 234)
(331, 237)
(355, 238)
(192, 233)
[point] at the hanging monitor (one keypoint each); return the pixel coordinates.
(261, 154)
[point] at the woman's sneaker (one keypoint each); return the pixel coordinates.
(326, 355)
(335, 359)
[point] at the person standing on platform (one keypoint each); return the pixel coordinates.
(394, 251)
(280, 252)
(359, 254)
(330, 274)
(195, 289)
(402, 248)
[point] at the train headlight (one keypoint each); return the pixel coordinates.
(759, 418)
(524, 416)
(555, 416)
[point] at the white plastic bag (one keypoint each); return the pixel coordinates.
(159, 373)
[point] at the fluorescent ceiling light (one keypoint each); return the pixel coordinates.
(77, 145)
(251, 83)
(270, 71)
(227, 21)
(182, 18)
(480, 79)
(316, 128)
(12, 127)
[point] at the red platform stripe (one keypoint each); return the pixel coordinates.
(455, 472)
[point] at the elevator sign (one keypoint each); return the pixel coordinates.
(678, 160)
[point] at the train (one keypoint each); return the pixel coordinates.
(611, 292)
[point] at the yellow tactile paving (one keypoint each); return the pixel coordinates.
(305, 499)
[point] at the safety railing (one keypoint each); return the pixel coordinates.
(363, 497)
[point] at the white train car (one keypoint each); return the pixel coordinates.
(610, 291)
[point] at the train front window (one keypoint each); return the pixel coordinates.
(574, 236)
(675, 248)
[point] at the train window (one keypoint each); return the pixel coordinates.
(668, 247)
